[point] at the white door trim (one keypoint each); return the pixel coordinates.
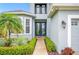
(69, 28)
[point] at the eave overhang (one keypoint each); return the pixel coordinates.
(62, 7)
(21, 13)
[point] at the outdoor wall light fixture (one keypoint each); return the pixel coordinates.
(63, 24)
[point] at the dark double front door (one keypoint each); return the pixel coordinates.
(40, 28)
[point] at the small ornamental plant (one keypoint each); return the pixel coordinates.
(67, 51)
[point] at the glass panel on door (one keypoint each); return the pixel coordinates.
(40, 29)
(43, 29)
(37, 28)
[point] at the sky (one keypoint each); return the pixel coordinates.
(14, 6)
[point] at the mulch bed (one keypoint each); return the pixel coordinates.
(65, 51)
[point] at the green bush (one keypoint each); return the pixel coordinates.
(9, 41)
(21, 40)
(18, 41)
(19, 50)
(14, 44)
(50, 45)
(2, 42)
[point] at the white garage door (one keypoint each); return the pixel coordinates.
(75, 34)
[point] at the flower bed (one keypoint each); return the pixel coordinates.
(19, 50)
(50, 45)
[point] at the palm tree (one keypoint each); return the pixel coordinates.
(9, 23)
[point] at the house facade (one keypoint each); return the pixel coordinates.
(60, 22)
(65, 25)
(34, 23)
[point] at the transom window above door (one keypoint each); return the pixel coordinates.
(40, 9)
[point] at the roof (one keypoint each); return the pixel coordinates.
(16, 11)
(62, 6)
(20, 12)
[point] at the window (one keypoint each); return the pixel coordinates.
(74, 21)
(27, 25)
(43, 9)
(40, 8)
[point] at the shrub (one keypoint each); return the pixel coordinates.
(19, 50)
(50, 45)
(14, 44)
(32, 43)
(67, 51)
(2, 42)
(18, 41)
(21, 40)
(9, 41)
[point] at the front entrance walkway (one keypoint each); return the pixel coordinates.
(40, 48)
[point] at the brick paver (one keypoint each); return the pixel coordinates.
(40, 48)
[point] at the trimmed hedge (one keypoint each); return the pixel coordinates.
(19, 50)
(50, 45)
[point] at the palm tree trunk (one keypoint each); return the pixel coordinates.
(9, 34)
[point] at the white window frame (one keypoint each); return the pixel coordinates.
(24, 33)
(70, 17)
(30, 26)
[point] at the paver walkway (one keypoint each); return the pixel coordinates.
(40, 48)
